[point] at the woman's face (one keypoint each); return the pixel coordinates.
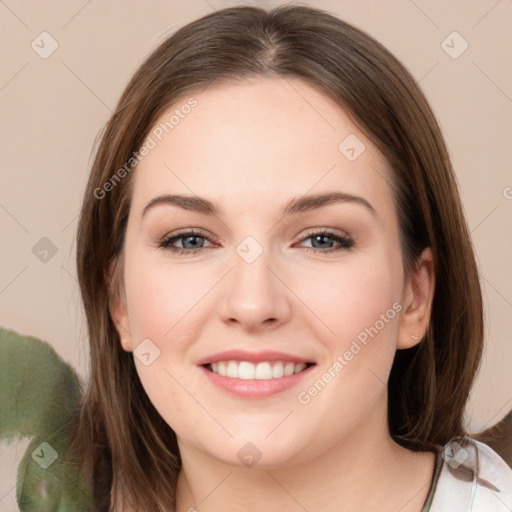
(270, 280)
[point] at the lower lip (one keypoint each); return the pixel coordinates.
(255, 388)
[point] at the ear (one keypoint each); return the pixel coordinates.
(117, 304)
(417, 299)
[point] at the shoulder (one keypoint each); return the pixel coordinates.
(473, 477)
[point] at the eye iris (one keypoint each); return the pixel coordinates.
(194, 244)
(322, 237)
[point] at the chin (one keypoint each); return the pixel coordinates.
(256, 451)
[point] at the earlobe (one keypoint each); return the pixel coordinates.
(119, 316)
(126, 344)
(417, 296)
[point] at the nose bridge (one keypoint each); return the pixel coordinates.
(254, 294)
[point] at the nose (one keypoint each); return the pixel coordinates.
(255, 295)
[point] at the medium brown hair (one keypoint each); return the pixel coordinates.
(122, 438)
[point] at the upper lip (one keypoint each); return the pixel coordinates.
(252, 357)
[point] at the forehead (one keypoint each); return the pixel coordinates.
(259, 140)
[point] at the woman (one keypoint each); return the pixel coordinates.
(233, 354)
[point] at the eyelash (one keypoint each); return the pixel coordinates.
(345, 241)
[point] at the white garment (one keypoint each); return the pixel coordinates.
(473, 478)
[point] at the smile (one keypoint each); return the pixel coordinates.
(254, 375)
(265, 370)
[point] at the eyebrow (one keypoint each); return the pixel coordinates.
(297, 205)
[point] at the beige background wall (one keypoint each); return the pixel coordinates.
(51, 110)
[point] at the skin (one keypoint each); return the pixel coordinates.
(250, 148)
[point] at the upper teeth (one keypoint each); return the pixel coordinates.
(264, 371)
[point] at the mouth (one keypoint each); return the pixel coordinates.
(249, 375)
(265, 370)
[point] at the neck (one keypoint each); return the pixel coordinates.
(373, 472)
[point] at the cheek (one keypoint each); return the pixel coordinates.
(347, 301)
(164, 305)
(161, 308)
(359, 309)
(162, 298)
